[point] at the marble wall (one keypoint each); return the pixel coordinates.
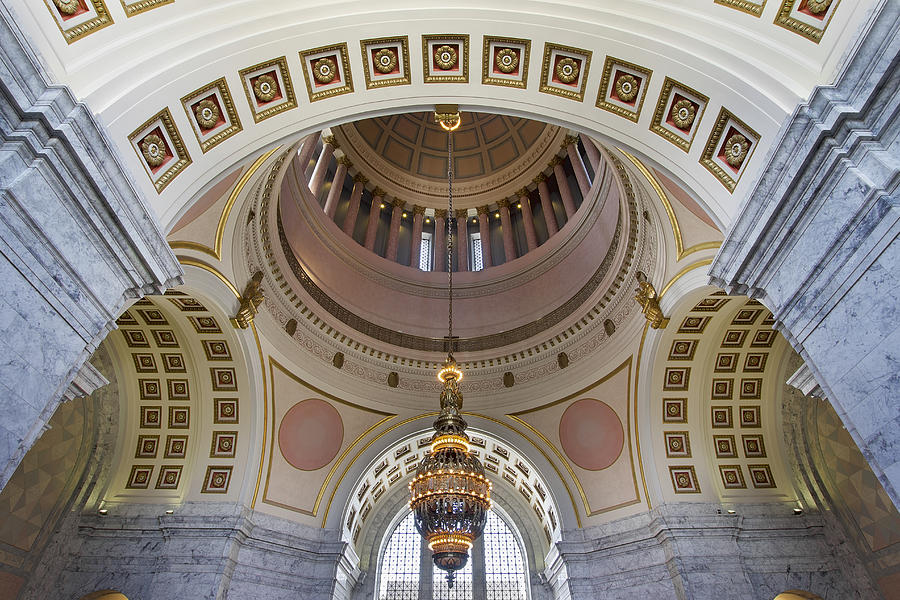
(76, 243)
(816, 242)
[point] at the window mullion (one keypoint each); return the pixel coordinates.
(426, 589)
(479, 578)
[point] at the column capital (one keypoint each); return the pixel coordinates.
(556, 160)
(378, 192)
(523, 193)
(569, 140)
(440, 213)
(482, 210)
(329, 139)
(343, 160)
(540, 178)
(418, 210)
(503, 203)
(462, 213)
(360, 178)
(397, 202)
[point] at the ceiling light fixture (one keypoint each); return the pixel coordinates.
(450, 495)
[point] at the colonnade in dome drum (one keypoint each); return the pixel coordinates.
(507, 228)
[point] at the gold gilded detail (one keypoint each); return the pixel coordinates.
(506, 60)
(681, 136)
(153, 149)
(447, 116)
(207, 114)
(445, 57)
(265, 88)
(385, 60)
(67, 7)
(626, 87)
(751, 8)
(817, 7)
(249, 302)
(736, 149)
(683, 113)
(324, 70)
(567, 70)
(649, 302)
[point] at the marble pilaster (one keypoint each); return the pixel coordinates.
(462, 240)
(359, 184)
(817, 242)
(509, 244)
(337, 185)
(571, 146)
(527, 219)
(77, 243)
(374, 218)
(546, 205)
(393, 244)
(562, 182)
(440, 240)
(329, 145)
(415, 250)
(484, 229)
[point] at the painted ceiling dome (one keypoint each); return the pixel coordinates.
(406, 155)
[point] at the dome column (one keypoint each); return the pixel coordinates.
(571, 146)
(318, 174)
(546, 205)
(484, 229)
(359, 184)
(528, 219)
(374, 217)
(592, 152)
(462, 240)
(415, 251)
(440, 239)
(562, 182)
(509, 246)
(337, 184)
(306, 152)
(393, 244)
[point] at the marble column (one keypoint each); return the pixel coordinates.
(337, 184)
(592, 152)
(462, 240)
(509, 245)
(415, 249)
(816, 242)
(546, 205)
(77, 243)
(440, 240)
(318, 175)
(374, 218)
(562, 182)
(306, 151)
(484, 228)
(393, 244)
(359, 184)
(571, 146)
(527, 219)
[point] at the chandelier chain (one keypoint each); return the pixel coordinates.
(450, 218)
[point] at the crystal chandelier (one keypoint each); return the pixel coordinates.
(450, 495)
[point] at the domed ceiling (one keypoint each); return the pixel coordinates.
(406, 155)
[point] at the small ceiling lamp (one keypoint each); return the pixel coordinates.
(450, 495)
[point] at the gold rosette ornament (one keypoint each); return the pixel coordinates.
(626, 87)
(153, 149)
(325, 70)
(683, 114)
(207, 114)
(736, 149)
(265, 88)
(817, 7)
(567, 70)
(385, 60)
(67, 7)
(506, 60)
(445, 57)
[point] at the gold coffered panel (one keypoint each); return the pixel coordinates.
(505, 61)
(211, 112)
(78, 18)
(564, 71)
(136, 8)
(747, 6)
(385, 61)
(160, 149)
(445, 58)
(326, 71)
(809, 18)
(268, 88)
(729, 148)
(678, 113)
(623, 88)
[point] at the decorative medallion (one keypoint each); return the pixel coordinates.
(693, 324)
(678, 113)
(223, 379)
(212, 114)
(683, 349)
(224, 444)
(386, 61)
(722, 389)
(139, 478)
(135, 338)
(327, 71)
(728, 149)
(750, 416)
(169, 476)
(176, 446)
(78, 18)
(216, 480)
(734, 338)
(505, 61)
(151, 417)
(732, 477)
(746, 316)
(678, 444)
(755, 362)
(747, 6)
(764, 338)
(147, 446)
(751, 389)
(809, 18)
(178, 390)
(684, 480)
(216, 350)
(149, 389)
(753, 446)
(677, 378)
(721, 417)
(225, 411)
(675, 410)
(160, 149)
(268, 88)
(726, 362)
(179, 417)
(205, 325)
(136, 8)
(725, 446)
(711, 304)
(564, 71)
(446, 58)
(761, 476)
(165, 338)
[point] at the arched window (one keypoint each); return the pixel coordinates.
(497, 569)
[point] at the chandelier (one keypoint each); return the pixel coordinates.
(450, 495)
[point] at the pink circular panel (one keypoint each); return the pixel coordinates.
(591, 434)
(310, 434)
